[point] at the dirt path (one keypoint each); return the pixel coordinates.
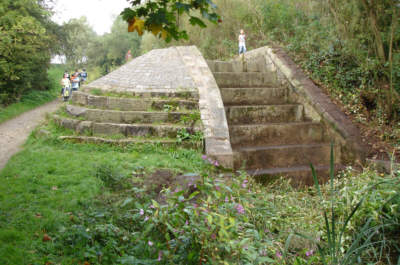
(13, 133)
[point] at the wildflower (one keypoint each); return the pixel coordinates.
(278, 254)
(244, 184)
(226, 199)
(146, 218)
(150, 243)
(159, 255)
(141, 212)
(239, 208)
(204, 157)
(152, 206)
(310, 253)
(195, 205)
(217, 188)
(187, 222)
(213, 236)
(216, 163)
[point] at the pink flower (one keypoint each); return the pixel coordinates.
(216, 163)
(244, 185)
(213, 236)
(278, 254)
(204, 157)
(159, 255)
(187, 222)
(150, 243)
(239, 208)
(146, 218)
(310, 253)
(217, 188)
(141, 212)
(152, 206)
(195, 205)
(226, 199)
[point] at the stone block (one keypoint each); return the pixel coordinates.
(109, 128)
(79, 98)
(84, 127)
(97, 101)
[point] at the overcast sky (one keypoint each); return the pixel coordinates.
(100, 13)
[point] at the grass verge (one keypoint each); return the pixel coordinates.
(34, 98)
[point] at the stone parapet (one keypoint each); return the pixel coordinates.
(317, 105)
(216, 131)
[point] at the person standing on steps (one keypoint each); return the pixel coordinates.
(66, 87)
(242, 42)
(75, 81)
(84, 76)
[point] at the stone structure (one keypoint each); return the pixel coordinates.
(160, 70)
(260, 110)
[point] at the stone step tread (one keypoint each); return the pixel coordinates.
(270, 124)
(280, 147)
(143, 95)
(126, 141)
(151, 112)
(265, 105)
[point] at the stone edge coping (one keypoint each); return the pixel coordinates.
(216, 131)
(322, 104)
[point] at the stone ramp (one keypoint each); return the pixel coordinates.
(160, 70)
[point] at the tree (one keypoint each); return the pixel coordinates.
(25, 47)
(108, 51)
(76, 41)
(161, 17)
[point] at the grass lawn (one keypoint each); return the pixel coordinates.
(42, 185)
(67, 203)
(34, 98)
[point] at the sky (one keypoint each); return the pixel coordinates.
(100, 13)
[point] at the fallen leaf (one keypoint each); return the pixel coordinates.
(54, 188)
(46, 238)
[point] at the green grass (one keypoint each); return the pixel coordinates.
(34, 98)
(49, 179)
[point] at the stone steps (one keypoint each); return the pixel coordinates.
(127, 130)
(132, 104)
(250, 114)
(282, 156)
(276, 133)
(244, 79)
(128, 117)
(254, 96)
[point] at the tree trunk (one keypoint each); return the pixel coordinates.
(374, 26)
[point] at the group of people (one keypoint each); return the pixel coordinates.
(72, 82)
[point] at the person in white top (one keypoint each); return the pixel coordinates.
(242, 42)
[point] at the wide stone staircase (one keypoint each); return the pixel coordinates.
(269, 133)
(138, 117)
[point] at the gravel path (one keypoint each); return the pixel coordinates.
(13, 133)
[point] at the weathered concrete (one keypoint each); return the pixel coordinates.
(244, 79)
(129, 130)
(216, 132)
(128, 117)
(283, 156)
(256, 96)
(160, 70)
(128, 141)
(317, 105)
(276, 134)
(256, 114)
(131, 104)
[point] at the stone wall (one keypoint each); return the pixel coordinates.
(317, 105)
(216, 131)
